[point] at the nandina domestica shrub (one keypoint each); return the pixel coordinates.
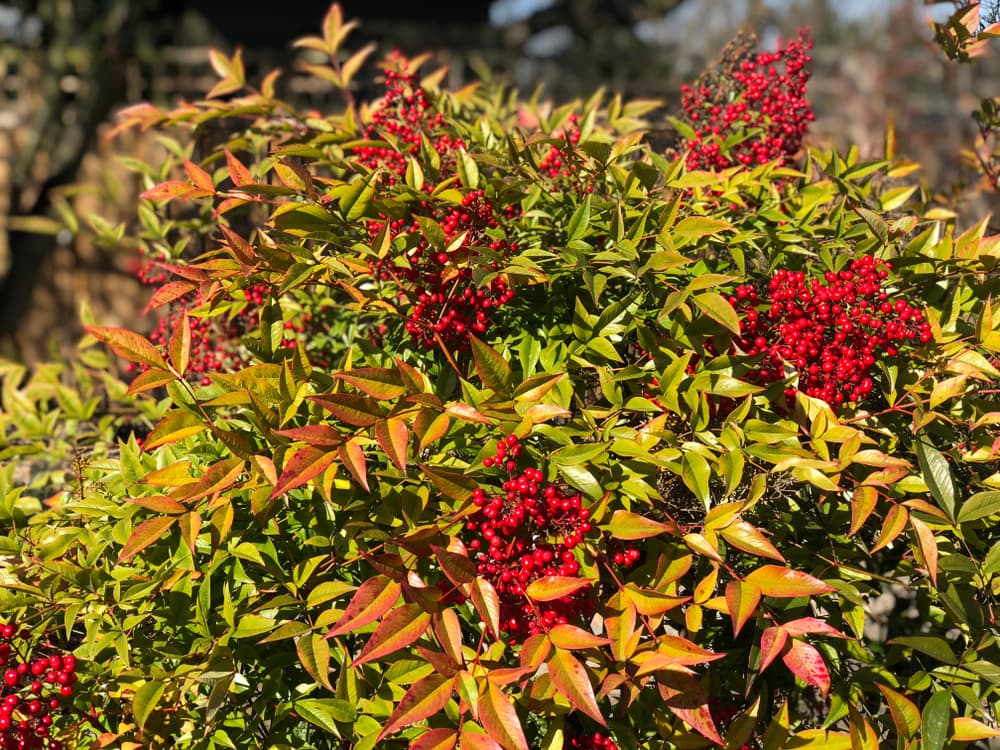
(593, 449)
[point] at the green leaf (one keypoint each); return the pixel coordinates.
(377, 382)
(933, 645)
(250, 626)
(355, 200)
(980, 505)
(326, 712)
(631, 526)
(937, 476)
(934, 721)
(699, 226)
(493, 369)
(581, 478)
(718, 309)
(144, 702)
(580, 221)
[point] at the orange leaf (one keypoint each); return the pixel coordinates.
(927, 545)
(175, 426)
(169, 292)
(805, 662)
(571, 679)
(352, 456)
(748, 538)
(399, 629)
(128, 344)
(652, 603)
(905, 715)
(424, 699)
(152, 378)
(237, 171)
(199, 177)
(144, 535)
(168, 190)
(180, 343)
(698, 543)
(393, 435)
(683, 651)
(318, 435)
(306, 464)
(500, 720)
(190, 528)
(448, 630)
(892, 527)
(535, 650)
(742, 597)
(159, 504)
(862, 504)
(487, 603)
(772, 641)
(379, 383)
(431, 431)
(774, 580)
(626, 525)
(622, 632)
(469, 740)
(435, 739)
(242, 250)
(373, 599)
(572, 637)
(548, 588)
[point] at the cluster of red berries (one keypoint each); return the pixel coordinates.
(555, 163)
(405, 117)
(760, 98)
(526, 532)
(448, 302)
(723, 713)
(830, 330)
(33, 690)
(593, 741)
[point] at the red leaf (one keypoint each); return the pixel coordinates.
(772, 641)
(686, 700)
(571, 679)
(373, 599)
(500, 720)
(239, 173)
(199, 177)
(318, 435)
(424, 699)
(548, 588)
(469, 740)
(774, 580)
(393, 435)
(128, 344)
(144, 535)
(742, 598)
(435, 739)
(805, 662)
(352, 456)
(306, 464)
(399, 629)
(811, 626)
(357, 411)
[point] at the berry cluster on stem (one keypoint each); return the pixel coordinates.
(525, 532)
(756, 101)
(831, 330)
(35, 686)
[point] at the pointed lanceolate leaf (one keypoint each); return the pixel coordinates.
(358, 411)
(742, 598)
(145, 534)
(307, 463)
(937, 476)
(571, 637)
(435, 739)
(129, 344)
(934, 721)
(424, 699)
(373, 599)
(786, 583)
(399, 629)
(314, 655)
(863, 502)
(811, 626)
(145, 700)
(748, 538)
(548, 588)
(772, 641)
(685, 698)
(180, 343)
(905, 715)
(316, 435)
(239, 174)
(379, 383)
(500, 720)
(572, 680)
(452, 484)
(487, 603)
(493, 369)
(352, 456)
(629, 526)
(927, 545)
(717, 307)
(393, 435)
(805, 662)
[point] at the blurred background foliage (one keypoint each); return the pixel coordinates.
(66, 67)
